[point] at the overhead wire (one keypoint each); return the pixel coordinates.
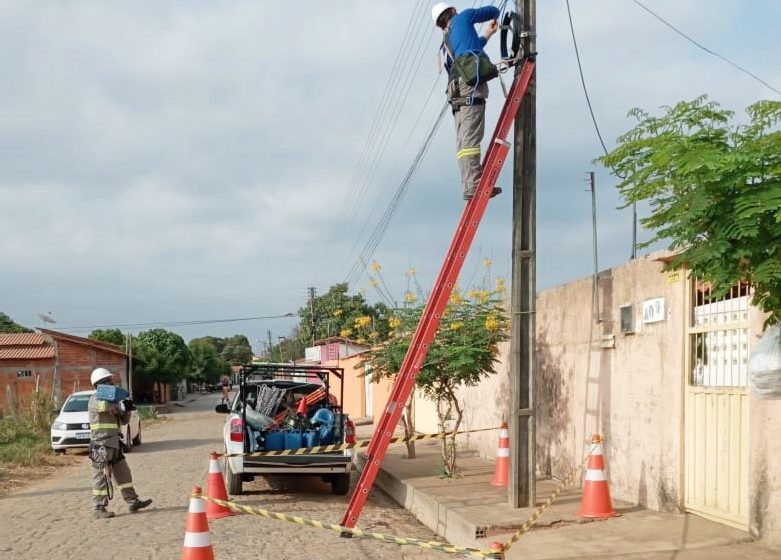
(175, 323)
(703, 47)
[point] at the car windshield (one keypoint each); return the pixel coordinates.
(76, 403)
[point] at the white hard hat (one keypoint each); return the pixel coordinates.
(99, 374)
(439, 9)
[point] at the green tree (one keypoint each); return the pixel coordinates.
(161, 356)
(112, 336)
(714, 190)
(7, 325)
(207, 364)
(237, 350)
(463, 352)
(334, 314)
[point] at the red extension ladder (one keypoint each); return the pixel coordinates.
(429, 321)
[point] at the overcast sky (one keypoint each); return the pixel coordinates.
(168, 161)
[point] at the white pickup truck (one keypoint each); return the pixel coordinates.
(285, 406)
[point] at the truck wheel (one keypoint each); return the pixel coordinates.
(137, 439)
(232, 480)
(340, 484)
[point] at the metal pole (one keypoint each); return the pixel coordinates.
(592, 181)
(522, 461)
(634, 230)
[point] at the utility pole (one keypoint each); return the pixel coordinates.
(312, 295)
(593, 185)
(522, 461)
(270, 348)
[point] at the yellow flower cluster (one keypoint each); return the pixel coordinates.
(363, 321)
(500, 287)
(491, 323)
(344, 333)
(394, 322)
(376, 267)
(487, 263)
(337, 312)
(374, 283)
(456, 326)
(411, 272)
(410, 297)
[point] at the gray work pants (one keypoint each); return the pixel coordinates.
(470, 127)
(122, 476)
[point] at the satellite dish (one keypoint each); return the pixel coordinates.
(46, 317)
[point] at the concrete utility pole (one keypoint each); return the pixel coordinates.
(312, 295)
(593, 185)
(522, 443)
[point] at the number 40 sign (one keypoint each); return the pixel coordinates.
(653, 310)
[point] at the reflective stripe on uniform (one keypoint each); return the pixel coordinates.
(101, 426)
(123, 486)
(102, 406)
(100, 492)
(466, 152)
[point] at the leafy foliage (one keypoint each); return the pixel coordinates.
(464, 351)
(161, 356)
(335, 313)
(7, 325)
(207, 364)
(237, 350)
(714, 190)
(112, 336)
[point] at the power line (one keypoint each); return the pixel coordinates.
(703, 47)
(176, 323)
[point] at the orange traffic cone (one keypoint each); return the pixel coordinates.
(302, 408)
(502, 470)
(197, 540)
(596, 503)
(215, 488)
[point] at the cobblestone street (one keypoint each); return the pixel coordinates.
(52, 518)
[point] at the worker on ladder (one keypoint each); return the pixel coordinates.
(469, 70)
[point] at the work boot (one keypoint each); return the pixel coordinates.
(139, 505)
(102, 513)
(494, 192)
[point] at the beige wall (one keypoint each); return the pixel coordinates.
(629, 387)
(764, 461)
(354, 402)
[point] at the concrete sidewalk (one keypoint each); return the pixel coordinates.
(468, 511)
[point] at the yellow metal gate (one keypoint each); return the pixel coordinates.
(716, 439)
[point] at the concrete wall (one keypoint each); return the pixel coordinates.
(354, 402)
(764, 461)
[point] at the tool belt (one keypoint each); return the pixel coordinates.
(98, 454)
(457, 102)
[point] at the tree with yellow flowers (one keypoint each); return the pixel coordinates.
(464, 351)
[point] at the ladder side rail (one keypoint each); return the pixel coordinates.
(443, 287)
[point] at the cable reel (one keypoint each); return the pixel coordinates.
(511, 25)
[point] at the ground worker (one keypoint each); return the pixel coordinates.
(105, 419)
(464, 48)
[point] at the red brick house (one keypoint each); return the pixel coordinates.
(55, 362)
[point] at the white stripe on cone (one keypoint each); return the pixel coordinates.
(197, 540)
(596, 475)
(503, 452)
(505, 433)
(214, 466)
(197, 505)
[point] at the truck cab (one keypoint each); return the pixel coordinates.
(286, 406)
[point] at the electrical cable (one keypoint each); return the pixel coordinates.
(703, 47)
(176, 323)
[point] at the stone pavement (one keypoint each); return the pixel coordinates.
(52, 518)
(469, 511)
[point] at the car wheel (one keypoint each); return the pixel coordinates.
(340, 484)
(232, 480)
(137, 439)
(59, 452)
(128, 442)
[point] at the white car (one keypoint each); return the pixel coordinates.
(70, 430)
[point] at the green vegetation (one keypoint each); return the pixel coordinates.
(714, 190)
(207, 365)
(24, 436)
(463, 352)
(112, 336)
(7, 325)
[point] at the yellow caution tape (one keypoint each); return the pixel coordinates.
(357, 445)
(548, 503)
(411, 541)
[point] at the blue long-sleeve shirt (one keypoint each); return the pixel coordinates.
(462, 37)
